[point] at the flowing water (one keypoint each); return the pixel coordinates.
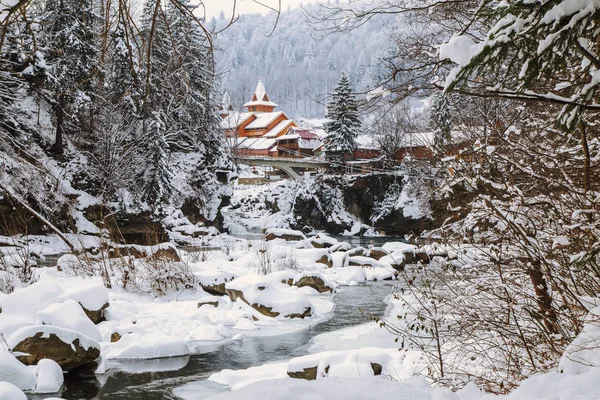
(155, 379)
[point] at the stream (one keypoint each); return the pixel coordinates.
(155, 379)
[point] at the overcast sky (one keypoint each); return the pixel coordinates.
(214, 7)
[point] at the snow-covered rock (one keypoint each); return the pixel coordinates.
(145, 346)
(49, 377)
(70, 349)
(28, 301)
(314, 280)
(93, 297)
(348, 276)
(69, 315)
(307, 258)
(270, 299)
(285, 234)
(8, 391)
(213, 282)
(15, 372)
(345, 364)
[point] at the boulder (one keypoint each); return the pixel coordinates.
(93, 298)
(377, 253)
(285, 234)
(326, 260)
(357, 251)
(69, 315)
(213, 282)
(70, 349)
(269, 298)
(310, 374)
(315, 281)
(361, 261)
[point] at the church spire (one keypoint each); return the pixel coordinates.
(260, 100)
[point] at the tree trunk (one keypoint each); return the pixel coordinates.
(544, 300)
(59, 109)
(586, 157)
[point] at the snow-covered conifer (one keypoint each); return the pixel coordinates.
(344, 124)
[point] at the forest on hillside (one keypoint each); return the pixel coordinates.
(299, 65)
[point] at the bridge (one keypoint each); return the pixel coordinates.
(283, 163)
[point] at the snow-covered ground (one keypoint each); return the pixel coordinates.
(272, 288)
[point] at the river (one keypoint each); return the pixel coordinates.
(155, 379)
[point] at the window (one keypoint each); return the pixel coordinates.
(253, 108)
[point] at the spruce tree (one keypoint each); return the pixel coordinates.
(70, 42)
(344, 124)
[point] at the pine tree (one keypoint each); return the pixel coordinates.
(344, 126)
(70, 41)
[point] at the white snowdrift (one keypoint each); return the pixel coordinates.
(145, 346)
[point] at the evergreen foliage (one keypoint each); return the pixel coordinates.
(344, 125)
(441, 121)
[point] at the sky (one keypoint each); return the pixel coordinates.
(214, 7)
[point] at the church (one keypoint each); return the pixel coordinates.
(254, 132)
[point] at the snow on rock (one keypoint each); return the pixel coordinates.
(15, 372)
(28, 301)
(10, 323)
(314, 280)
(364, 261)
(93, 297)
(321, 241)
(8, 391)
(67, 347)
(49, 377)
(213, 282)
(399, 246)
(244, 324)
(285, 234)
(344, 364)
(415, 388)
(339, 259)
(145, 346)
(69, 315)
(348, 276)
(270, 299)
(240, 378)
(307, 258)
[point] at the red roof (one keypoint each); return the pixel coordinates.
(305, 134)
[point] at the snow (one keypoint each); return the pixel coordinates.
(263, 120)
(459, 49)
(68, 315)
(348, 276)
(49, 377)
(15, 372)
(279, 297)
(66, 335)
(244, 324)
(8, 391)
(28, 301)
(416, 388)
(91, 294)
(145, 346)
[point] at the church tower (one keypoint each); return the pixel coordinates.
(260, 101)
